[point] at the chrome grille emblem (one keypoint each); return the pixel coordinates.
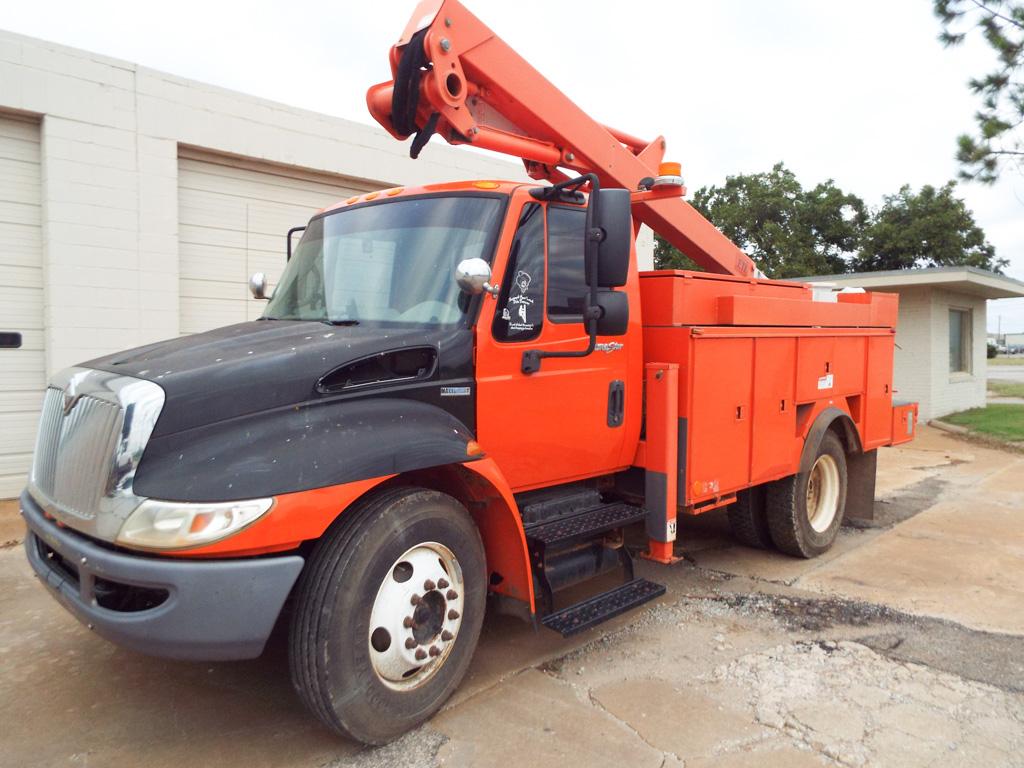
(69, 401)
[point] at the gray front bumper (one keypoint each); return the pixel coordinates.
(214, 609)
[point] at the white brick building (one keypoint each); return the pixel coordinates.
(940, 335)
(134, 205)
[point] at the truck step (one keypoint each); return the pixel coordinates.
(584, 526)
(607, 605)
(549, 504)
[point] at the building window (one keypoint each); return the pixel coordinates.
(959, 341)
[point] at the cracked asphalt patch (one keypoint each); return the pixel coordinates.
(856, 707)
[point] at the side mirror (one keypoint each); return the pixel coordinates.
(614, 319)
(614, 217)
(474, 277)
(258, 285)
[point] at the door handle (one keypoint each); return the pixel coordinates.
(616, 403)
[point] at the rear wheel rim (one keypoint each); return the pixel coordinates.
(416, 616)
(823, 493)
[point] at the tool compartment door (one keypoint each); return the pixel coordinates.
(719, 422)
(775, 447)
(878, 424)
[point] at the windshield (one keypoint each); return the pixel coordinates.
(391, 263)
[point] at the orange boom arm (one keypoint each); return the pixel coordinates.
(453, 76)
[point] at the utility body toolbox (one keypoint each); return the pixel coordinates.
(757, 361)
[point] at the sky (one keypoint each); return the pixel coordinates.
(859, 92)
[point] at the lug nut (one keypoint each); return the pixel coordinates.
(446, 635)
(407, 622)
(415, 599)
(452, 594)
(435, 651)
(442, 584)
(428, 585)
(410, 643)
(421, 655)
(453, 614)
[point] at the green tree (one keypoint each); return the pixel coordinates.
(930, 228)
(999, 139)
(788, 231)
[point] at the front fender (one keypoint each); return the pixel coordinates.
(501, 529)
(300, 448)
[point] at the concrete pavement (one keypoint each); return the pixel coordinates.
(1007, 372)
(902, 646)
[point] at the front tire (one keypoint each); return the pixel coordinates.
(388, 613)
(806, 510)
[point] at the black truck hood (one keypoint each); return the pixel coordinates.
(261, 365)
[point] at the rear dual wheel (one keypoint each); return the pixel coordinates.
(804, 511)
(801, 514)
(388, 613)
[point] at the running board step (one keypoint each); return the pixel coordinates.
(585, 525)
(607, 605)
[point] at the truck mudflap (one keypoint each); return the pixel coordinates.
(182, 609)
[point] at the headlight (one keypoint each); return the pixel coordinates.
(173, 525)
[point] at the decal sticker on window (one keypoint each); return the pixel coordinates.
(517, 309)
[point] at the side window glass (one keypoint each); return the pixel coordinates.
(520, 312)
(567, 282)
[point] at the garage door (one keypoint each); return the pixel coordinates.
(233, 216)
(22, 371)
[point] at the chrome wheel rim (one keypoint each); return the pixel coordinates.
(823, 493)
(416, 616)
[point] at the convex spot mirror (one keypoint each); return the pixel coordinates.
(258, 285)
(614, 217)
(474, 277)
(614, 318)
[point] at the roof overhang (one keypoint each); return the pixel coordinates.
(969, 280)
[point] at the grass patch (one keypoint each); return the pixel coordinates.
(1006, 388)
(1019, 360)
(1005, 422)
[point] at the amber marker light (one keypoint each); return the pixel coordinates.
(669, 175)
(486, 184)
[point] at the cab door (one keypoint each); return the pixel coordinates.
(565, 421)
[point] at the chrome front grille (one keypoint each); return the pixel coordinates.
(75, 451)
(93, 431)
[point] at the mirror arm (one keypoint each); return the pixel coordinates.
(532, 357)
(291, 232)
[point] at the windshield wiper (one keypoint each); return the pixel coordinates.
(341, 322)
